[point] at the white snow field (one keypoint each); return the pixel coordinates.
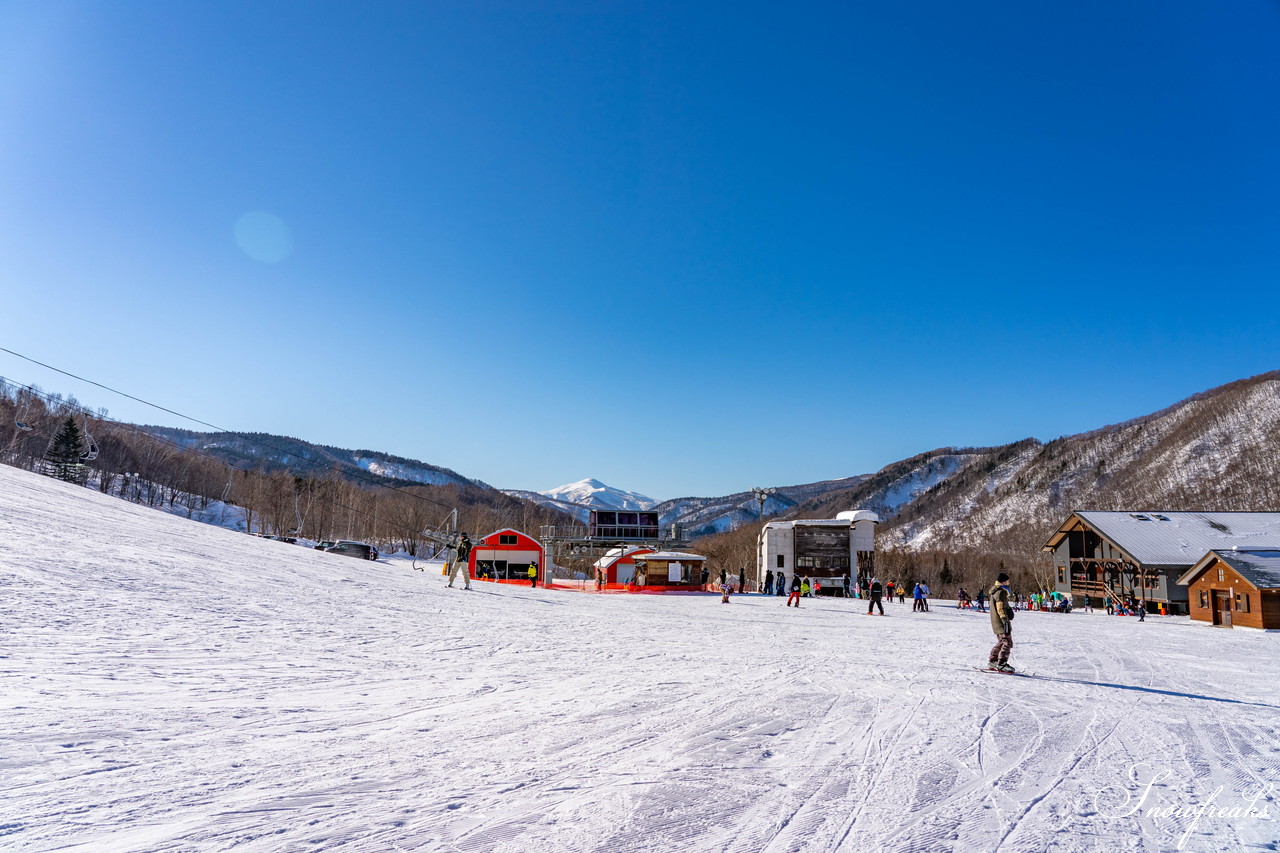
(171, 686)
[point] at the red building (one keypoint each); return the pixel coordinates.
(504, 556)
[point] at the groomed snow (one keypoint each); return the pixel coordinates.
(171, 686)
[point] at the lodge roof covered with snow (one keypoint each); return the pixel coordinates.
(1260, 567)
(1176, 538)
(670, 556)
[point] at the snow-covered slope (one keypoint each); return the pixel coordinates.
(172, 686)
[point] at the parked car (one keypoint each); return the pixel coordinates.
(352, 549)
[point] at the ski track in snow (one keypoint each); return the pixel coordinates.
(170, 686)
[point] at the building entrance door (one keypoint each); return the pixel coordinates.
(1222, 609)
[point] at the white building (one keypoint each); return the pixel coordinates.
(835, 548)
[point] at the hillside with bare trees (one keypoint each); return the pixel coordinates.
(314, 498)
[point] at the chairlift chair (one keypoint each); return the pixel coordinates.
(90, 452)
(20, 416)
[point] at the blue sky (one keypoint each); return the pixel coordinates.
(683, 248)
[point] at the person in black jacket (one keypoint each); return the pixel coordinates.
(877, 593)
(461, 561)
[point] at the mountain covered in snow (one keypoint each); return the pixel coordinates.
(1215, 450)
(700, 516)
(250, 451)
(596, 495)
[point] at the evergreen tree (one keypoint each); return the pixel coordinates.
(945, 576)
(62, 459)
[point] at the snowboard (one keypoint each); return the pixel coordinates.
(998, 672)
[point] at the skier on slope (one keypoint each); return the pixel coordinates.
(1002, 624)
(796, 585)
(877, 591)
(533, 573)
(461, 561)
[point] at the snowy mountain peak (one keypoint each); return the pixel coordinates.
(595, 494)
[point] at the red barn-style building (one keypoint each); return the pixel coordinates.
(504, 557)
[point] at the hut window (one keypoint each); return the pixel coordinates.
(1242, 603)
(1060, 573)
(1204, 598)
(1221, 575)
(782, 561)
(506, 539)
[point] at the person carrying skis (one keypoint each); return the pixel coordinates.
(533, 573)
(796, 589)
(877, 591)
(1002, 625)
(461, 561)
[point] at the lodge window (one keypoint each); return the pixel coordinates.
(506, 539)
(782, 561)
(1204, 598)
(1060, 575)
(1222, 575)
(1242, 603)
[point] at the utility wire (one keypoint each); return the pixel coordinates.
(57, 401)
(243, 436)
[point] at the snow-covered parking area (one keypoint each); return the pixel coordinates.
(173, 686)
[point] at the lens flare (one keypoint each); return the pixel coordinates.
(263, 237)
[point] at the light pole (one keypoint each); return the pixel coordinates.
(762, 495)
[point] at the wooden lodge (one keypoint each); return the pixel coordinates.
(504, 556)
(1142, 555)
(1236, 589)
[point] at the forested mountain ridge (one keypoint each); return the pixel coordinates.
(1214, 450)
(285, 453)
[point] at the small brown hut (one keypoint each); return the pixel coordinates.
(1236, 588)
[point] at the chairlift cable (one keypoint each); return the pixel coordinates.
(48, 398)
(215, 427)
